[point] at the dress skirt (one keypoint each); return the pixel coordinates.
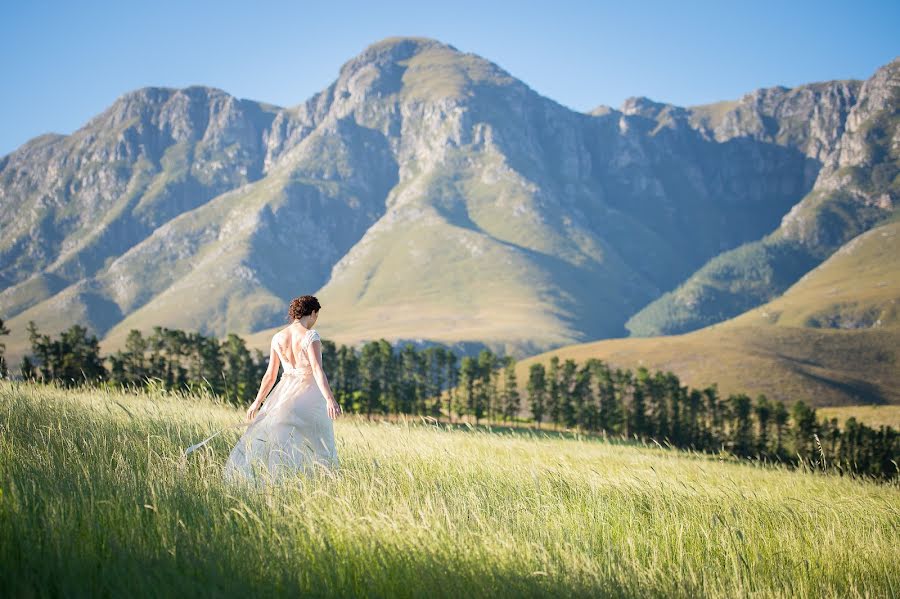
(292, 433)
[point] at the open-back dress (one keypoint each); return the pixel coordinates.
(292, 432)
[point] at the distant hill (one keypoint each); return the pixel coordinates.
(427, 194)
(832, 339)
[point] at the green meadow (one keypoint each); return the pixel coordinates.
(97, 500)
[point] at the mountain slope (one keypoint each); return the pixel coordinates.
(831, 339)
(858, 185)
(504, 234)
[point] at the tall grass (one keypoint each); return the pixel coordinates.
(97, 500)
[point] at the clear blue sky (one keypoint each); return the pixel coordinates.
(64, 62)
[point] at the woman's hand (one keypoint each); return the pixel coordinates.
(334, 410)
(252, 410)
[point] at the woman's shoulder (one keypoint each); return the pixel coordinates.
(310, 336)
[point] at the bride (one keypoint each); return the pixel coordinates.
(293, 431)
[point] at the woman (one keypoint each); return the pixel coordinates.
(293, 431)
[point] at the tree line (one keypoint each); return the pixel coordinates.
(381, 379)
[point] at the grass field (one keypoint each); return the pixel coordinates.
(96, 500)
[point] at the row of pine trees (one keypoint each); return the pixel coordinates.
(381, 379)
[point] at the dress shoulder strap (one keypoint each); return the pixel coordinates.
(311, 335)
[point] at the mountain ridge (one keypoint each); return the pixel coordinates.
(418, 159)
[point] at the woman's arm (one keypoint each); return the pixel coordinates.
(268, 380)
(315, 351)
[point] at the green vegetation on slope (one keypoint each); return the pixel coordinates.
(96, 500)
(831, 339)
(756, 272)
(858, 287)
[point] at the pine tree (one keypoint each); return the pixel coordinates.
(585, 409)
(695, 426)
(804, 425)
(240, 384)
(511, 399)
(780, 419)
(468, 377)
(554, 405)
(537, 392)
(714, 416)
(567, 394)
(371, 372)
(674, 399)
(436, 359)
(347, 379)
(654, 387)
(408, 386)
(486, 386)
(633, 387)
(40, 347)
(741, 426)
(4, 371)
(27, 369)
(763, 411)
(329, 365)
(390, 374)
(452, 363)
(610, 417)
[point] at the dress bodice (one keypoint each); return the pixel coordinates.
(303, 366)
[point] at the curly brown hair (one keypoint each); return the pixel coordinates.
(303, 305)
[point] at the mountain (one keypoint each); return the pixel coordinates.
(833, 338)
(856, 185)
(426, 194)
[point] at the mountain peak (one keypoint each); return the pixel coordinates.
(154, 94)
(417, 42)
(418, 67)
(601, 110)
(394, 49)
(642, 106)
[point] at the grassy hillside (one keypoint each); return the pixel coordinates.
(96, 501)
(831, 339)
(468, 273)
(857, 288)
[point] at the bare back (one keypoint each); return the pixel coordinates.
(291, 344)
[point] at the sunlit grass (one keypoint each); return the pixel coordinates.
(96, 499)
